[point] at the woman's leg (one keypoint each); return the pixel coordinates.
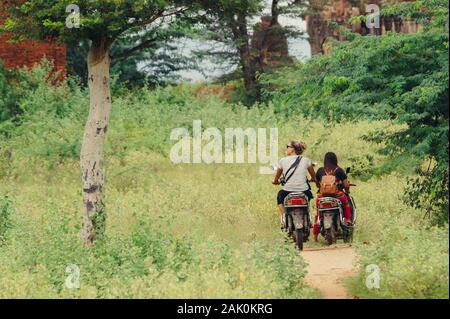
(316, 230)
(280, 199)
(280, 203)
(347, 211)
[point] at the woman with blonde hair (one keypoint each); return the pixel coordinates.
(295, 168)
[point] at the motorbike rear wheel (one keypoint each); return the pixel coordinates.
(290, 225)
(299, 238)
(284, 222)
(348, 235)
(330, 235)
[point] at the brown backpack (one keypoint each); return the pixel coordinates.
(329, 184)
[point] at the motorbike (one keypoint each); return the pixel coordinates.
(296, 218)
(331, 218)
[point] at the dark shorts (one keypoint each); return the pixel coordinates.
(282, 195)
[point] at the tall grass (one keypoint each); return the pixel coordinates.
(191, 230)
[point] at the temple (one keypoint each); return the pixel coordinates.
(340, 11)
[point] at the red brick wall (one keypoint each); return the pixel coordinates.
(28, 53)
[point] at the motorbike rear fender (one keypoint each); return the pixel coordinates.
(327, 219)
(298, 217)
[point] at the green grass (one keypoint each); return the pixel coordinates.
(192, 230)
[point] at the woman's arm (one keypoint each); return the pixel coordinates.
(346, 185)
(312, 172)
(276, 180)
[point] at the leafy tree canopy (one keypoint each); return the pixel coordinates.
(102, 18)
(402, 77)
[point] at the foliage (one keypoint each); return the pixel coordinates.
(21, 85)
(167, 243)
(8, 95)
(412, 256)
(149, 262)
(110, 19)
(403, 77)
(49, 118)
(230, 27)
(413, 263)
(429, 13)
(138, 35)
(103, 23)
(173, 241)
(155, 65)
(5, 217)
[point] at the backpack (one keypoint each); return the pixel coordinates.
(329, 184)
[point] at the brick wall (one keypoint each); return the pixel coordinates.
(29, 52)
(340, 11)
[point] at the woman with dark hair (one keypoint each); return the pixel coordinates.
(331, 167)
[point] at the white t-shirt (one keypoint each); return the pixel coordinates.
(299, 181)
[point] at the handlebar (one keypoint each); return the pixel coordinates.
(274, 168)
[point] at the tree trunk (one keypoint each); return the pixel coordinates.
(94, 137)
(249, 71)
(275, 12)
(247, 61)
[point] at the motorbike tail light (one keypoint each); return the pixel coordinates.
(298, 201)
(327, 204)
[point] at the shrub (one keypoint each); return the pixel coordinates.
(413, 263)
(401, 77)
(5, 216)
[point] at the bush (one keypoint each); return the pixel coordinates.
(48, 120)
(147, 263)
(9, 95)
(184, 231)
(5, 217)
(413, 263)
(401, 77)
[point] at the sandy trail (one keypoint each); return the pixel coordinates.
(327, 267)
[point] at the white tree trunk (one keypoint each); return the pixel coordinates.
(94, 137)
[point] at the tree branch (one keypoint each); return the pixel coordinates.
(275, 12)
(147, 43)
(159, 14)
(143, 45)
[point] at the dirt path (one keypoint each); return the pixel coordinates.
(328, 267)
